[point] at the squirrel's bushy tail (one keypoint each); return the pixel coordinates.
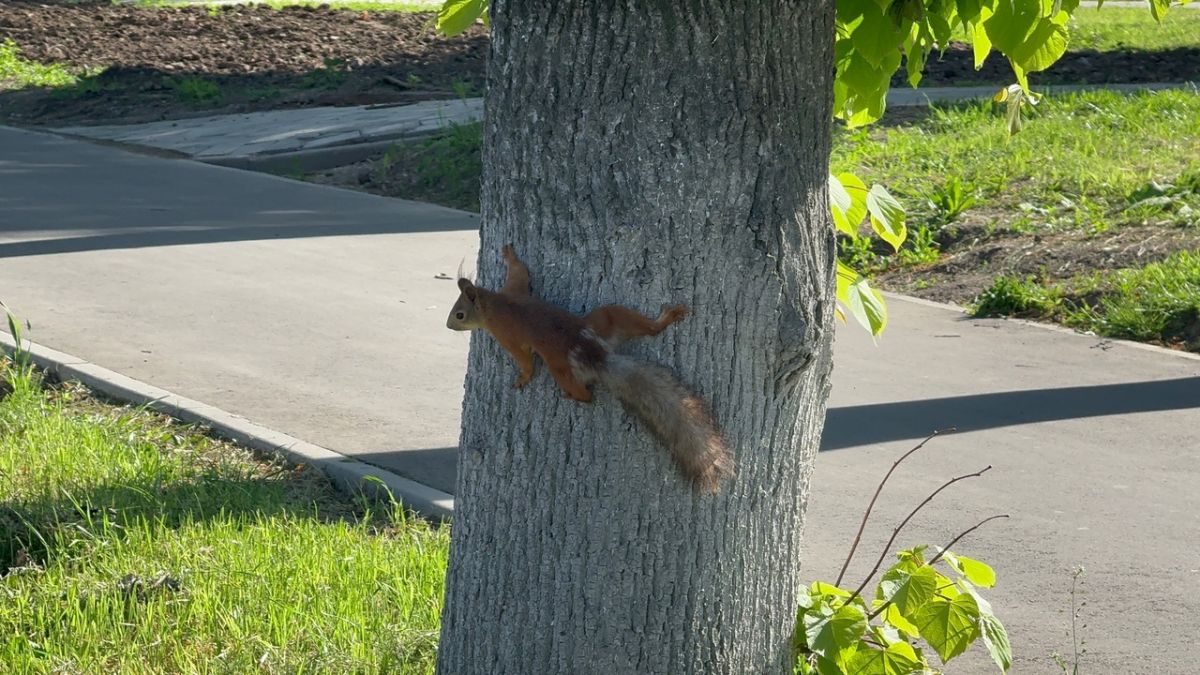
(679, 418)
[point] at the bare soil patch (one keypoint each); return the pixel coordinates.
(973, 254)
(956, 67)
(160, 63)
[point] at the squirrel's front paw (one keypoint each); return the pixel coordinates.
(522, 381)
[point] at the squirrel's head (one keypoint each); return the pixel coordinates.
(465, 313)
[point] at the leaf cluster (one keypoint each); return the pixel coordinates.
(852, 203)
(873, 37)
(919, 605)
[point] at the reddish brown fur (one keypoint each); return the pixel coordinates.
(576, 350)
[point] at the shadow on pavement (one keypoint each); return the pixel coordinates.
(902, 420)
(905, 420)
(435, 467)
(65, 196)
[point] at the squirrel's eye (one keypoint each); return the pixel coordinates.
(460, 316)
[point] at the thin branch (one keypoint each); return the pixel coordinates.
(895, 532)
(863, 525)
(965, 533)
(879, 610)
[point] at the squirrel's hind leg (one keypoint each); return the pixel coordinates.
(617, 323)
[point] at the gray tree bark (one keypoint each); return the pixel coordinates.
(645, 152)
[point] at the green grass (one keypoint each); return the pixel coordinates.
(136, 545)
(1079, 163)
(1117, 28)
(19, 73)
(444, 170)
(1156, 303)
(1010, 296)
(196, 91)
(1159, 302)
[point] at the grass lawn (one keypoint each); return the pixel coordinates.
(1113, 28)
(1157, 303)
(132, 544)
(1082, 161)
(1090, 216)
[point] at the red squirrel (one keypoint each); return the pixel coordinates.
(579, 352)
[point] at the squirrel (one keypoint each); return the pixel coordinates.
(579, 352)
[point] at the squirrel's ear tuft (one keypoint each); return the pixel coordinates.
(462, 270)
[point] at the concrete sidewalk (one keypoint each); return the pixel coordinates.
(282, 138)
(319, 312)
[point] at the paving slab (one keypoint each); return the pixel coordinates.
(263, 134)
(319, 313)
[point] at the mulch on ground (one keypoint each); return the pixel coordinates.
(161, 63)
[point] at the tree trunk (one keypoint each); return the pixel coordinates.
(642, 153)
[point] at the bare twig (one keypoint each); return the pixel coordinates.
(863, 524)
(879, 610)
(895, 532)
(963, 534)
(396, 82)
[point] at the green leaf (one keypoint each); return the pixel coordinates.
(914, 60)
(887, 216)
(968, 9)
(938, 22)
(1011, 21)
(949, 626)
(804, 599)
(830, 634)
(820, 588)
(1158, 9)
(860, 89)
(895, 660)
(914, 555)
(980, 44)
(995, 637)
(908, 589)
(827, 666)
(839, 204)
(877, 36)
(848, 197)
(864, 302)
(977, 572)
(1043, 46)
(455, 16)
(894, 618)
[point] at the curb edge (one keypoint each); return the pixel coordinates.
(346, 473)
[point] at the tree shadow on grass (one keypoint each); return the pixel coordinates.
(34, 530)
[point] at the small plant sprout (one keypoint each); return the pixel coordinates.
(950, 200)
(1078, 644)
